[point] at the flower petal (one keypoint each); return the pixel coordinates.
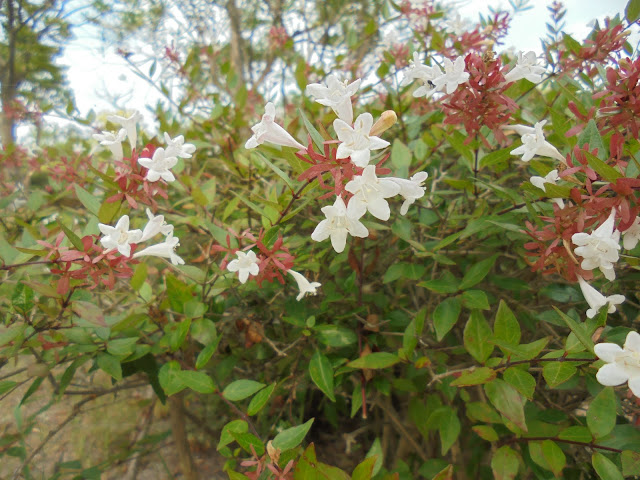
(611, 375)
(607, 351)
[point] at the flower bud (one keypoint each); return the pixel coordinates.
(387, 120)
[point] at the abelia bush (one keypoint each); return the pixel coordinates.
(424, 269)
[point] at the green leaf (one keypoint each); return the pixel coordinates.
(504, 463)
(486, 432)
(554, 456)
(601, 416)
(577, 329)
(506, 328)
(447, 284)
(591, 135)
(521, 380)
(205, 355)
(572, 44)
(401, 158)
(168, 377)
(321, 373)
(235, 426)
(110, 364)
(607, 172)
(449, 429)
(241, 389)
(335, 336)
(197, 381)
(475, 299)
(179, 334)
(403, 270)
(446, 315)
(73, 238)
(194, 309)
(477, 272)
(90, 202)
(121, 347)
(247, 440)
(278, 171)
(260, 399)
(292, 437)
(494, 158)
(576, 433)
(477, 337)
(632, 11)
(22, 298)
(364, 470)
(7, 385)
(507, 401)
(477, 376)
(605, 468)
(375, 361)
(315, 135)
(376, 452)
(412, 333)
(630, 463)
(556, 373)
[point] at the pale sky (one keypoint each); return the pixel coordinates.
(97, 76)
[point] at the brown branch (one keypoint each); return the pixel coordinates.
(560, 440)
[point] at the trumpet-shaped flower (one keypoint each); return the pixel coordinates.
(113, 141)
(119, 237)
(154, 226)
(338, 224)
(177, 148)
(159, 166)
(455, 25)
(411, 190)
(304, 285)
(453, 76)
(419, 71)
(129, 124)
(596, 300)
(357, 142)
(552, 178)
(631, 235)
(369, 193)
(269, 131)
(164, 249)
(534, 143)
(246, 264)
(526, 67)
(337, 95)
(599, 249)
(622, 364)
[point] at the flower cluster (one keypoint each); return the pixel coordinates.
(622, 365)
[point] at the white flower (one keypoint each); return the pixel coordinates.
(113, 141)
(304, 285)
(411, 189)
(356, 141)
(526, 68)
(456, 25)
(337, 225)
(454, 75)
(622, 364)
(159, 166)
(596, 300)
(419, 71)
(269, 131)
(599, 249)
(164, 250)
(337, 95)
(369, 193)
(552, 178)
(177, 148)
(119, 237)
(631, 235)
(129, 124)
(154, 226)
(534, 143)
(246, 264)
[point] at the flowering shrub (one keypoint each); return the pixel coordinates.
(389, 267)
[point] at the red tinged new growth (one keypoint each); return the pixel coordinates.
(590, 204)
(274, 262)
(90, 262)
(341, 169)
(132, 184)
(481, 101)
(620, 109)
